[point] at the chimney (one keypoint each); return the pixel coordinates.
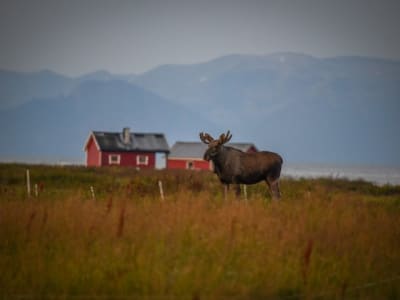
(126, 136)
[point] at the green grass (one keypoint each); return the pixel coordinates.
(327, 238)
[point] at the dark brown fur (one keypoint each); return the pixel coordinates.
(237, 167)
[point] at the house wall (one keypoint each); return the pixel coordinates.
(197, 163)
(183, 164)
(129, 159)
(92, 154)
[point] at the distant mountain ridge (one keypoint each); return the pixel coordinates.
(335, 110)
(17, 88)
(56, 128)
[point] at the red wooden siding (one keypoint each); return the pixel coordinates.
(92, 154)
(129, 159)
(96, 158)
(105, 149)
(184, 164)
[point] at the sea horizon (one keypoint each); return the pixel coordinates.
(377, 174)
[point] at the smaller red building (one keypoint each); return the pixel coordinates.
(189, 155)
(124, 148)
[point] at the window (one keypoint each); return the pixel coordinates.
(142, 160)
(189, 165)
(114, 159)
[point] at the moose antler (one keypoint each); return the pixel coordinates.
(206, 138)
(224, 138)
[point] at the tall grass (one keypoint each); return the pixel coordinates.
(326, 239)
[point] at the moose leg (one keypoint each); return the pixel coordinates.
(226, 189)
(276, 194)
(269, 187)
(237, 190)
(273, 186)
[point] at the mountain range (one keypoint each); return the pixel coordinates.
(323, 110)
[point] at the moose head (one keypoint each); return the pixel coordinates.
(214, 146)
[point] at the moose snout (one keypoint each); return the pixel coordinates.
(206, 156)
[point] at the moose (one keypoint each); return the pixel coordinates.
(233, 166)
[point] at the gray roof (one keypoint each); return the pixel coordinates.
(113, 141)
(197, 149)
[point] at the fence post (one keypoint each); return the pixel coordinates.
(28, 183)
(161, 190)
(92, 192)
(245, 191)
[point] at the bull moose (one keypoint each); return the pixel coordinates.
(233, 166)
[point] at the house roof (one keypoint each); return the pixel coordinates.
(113, 142)
(197, 149)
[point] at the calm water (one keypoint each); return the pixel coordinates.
(376, 174)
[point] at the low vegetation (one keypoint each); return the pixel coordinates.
(106, 233)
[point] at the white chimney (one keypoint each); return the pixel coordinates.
(126, 136)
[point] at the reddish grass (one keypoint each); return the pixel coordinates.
(325, 239)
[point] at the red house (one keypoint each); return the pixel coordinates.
(124, 149)
(189, 155)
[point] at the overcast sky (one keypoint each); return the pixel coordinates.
(79, 36)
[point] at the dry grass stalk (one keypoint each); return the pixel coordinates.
(121, 220)
(31, 217)
(306, 260)
(195, 243)
(109, 205)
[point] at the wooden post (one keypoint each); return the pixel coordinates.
(245, 191)
(161, 190)
(36, 190)
(92, 192)
(28, 183)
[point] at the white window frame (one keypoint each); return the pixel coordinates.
(141, 157)
(190, 165)
(114, 159)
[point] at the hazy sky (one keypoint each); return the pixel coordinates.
(79, 36)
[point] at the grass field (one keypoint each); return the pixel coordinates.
(326, 239)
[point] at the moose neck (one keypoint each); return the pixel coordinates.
(219, 159)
